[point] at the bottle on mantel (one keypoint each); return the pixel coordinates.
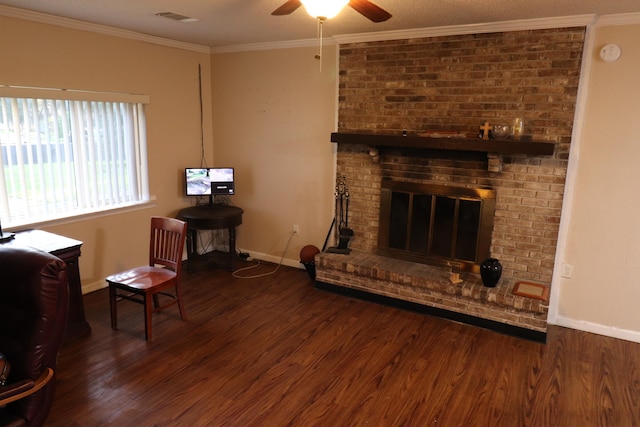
(518, 128)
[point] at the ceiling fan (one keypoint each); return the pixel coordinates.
(364, 7)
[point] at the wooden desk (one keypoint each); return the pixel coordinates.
(67, 250)
(211, 217)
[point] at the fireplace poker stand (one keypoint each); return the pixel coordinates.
(341, 219)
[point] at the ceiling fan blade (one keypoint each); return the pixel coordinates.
(370, 10)
(287, 8)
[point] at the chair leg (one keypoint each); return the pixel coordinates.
(148, 311)
(183, 313)
(113, 302)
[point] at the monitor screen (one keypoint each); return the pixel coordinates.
(209, 181)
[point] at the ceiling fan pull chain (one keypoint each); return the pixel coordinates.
(319, 55)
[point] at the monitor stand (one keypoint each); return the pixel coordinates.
(4, 236)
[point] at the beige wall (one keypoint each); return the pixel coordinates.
(603, 230)
(50, 56)
(273, 113)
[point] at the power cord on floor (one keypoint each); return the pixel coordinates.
(257, 264)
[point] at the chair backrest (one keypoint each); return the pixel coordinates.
(34, 303)
(167, 242)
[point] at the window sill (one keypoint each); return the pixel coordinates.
(83, 216)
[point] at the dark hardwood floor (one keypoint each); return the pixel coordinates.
(275, 351)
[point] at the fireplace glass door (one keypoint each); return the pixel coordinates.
(436, 224)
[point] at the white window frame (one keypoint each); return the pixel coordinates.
(88, 156)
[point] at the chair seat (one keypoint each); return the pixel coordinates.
(143, 277)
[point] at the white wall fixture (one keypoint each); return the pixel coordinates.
(610, 52)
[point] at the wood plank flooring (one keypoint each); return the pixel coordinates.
(274, 351)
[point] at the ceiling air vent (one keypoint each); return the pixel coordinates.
(177, 17)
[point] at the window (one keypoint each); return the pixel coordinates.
(68, 153)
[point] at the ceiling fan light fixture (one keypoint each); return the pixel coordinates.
(324, 8)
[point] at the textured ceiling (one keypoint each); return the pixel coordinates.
(236, 22)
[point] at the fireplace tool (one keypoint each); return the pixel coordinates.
(341, 218)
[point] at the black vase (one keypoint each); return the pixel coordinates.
(490, 271)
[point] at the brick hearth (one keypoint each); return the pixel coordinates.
(430, 286)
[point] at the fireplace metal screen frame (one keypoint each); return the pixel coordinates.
(486, 197)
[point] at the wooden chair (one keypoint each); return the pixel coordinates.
(143, 285)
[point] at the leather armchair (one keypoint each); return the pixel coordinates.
(34, 301)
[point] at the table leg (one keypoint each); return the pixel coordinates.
(192, 239)
(77, 325)
(232, 247)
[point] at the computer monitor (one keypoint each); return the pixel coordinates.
(209, 181)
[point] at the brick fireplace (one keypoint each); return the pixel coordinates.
(454, 84)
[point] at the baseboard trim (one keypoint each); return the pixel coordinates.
(492, 325)
(596, 328)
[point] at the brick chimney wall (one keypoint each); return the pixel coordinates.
(455, 83)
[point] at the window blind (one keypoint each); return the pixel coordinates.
(65, 157)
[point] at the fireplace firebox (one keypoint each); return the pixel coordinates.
(436, 224)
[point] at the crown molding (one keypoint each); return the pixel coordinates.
(517, 25)
(492, 27)
(619, 19)
(327, 41)
(456, 30)
(75, 24)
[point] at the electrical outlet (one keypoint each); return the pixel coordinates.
(295, 229)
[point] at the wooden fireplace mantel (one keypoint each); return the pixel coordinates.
(506, 146)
